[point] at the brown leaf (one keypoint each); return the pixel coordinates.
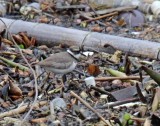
(96, 29)
(25, 39)
(39, 120)
(28, 51)
(20, 72)
(14, 91)
(43, 19)
(31, 93)
(33, 41)
(121, 22)
(5, 104)
(6, 41)
(15, 97)
(19, 40)
(93, 70)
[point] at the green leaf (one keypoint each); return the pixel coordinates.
(127, 119)
(116, 73)
(21, 46)
(154, 75)
(126, 116)
(11, 63)
(122, 69)
(130, 122)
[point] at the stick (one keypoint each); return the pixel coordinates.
(100, 17)
(88, 106)
(71, 7)
(20, 109)
(118, 103)
(33, 72)
(118, 9)
(119, 78)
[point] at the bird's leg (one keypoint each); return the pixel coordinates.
(64, 78)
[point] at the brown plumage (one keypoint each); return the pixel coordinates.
(59, 63)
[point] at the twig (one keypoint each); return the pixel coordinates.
(105, 11)
(33, 72)
(88, 106)
(119, 78)
(100, 23)
(35, 79)
(71, 7)
(89, 18)
(21, 109)
(141, 97)
(118, 103)
(100, 17)
(110, 78)
(92, 9)
(85, 38)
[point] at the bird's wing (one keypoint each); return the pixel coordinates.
(59, 61)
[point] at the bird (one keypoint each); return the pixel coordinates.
(59, 63)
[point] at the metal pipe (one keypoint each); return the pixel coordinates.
(51, 35)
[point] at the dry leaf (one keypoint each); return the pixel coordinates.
(43, 19)
(23, 73)
(147, 122)
(116, 57)
(6, 41)
(39, 120)
(33, 41)
(93, 70)
(27, 51)
(14, 91)
(14, 97)
(121, 22)
(19, 40)
(25, 38)
(31, 93)
(96, 28)
(5, 104)
(156, 100)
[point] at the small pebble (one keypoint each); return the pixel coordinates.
(109, 29)
(108, 88)
(27, 79)
(21, 81)
(117, 82)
